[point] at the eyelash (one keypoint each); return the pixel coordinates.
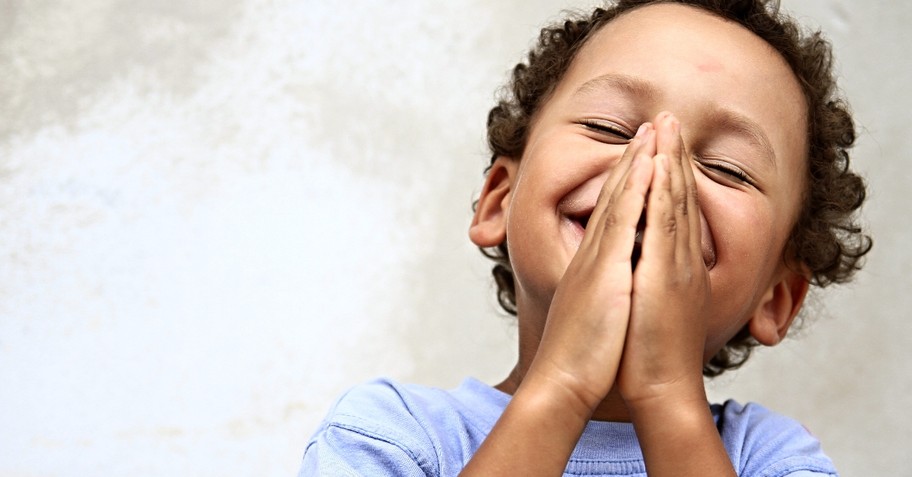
(733, 172)
(606, 128)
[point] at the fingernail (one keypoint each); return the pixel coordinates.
(641, 130)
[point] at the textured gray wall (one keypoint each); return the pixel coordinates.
(216, 216)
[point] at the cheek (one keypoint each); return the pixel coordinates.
(748, 248)
(747, 255)
(742, 223)
(746, 232)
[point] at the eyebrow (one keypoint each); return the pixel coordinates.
(628, 84)
(741, 125)
(723, 118)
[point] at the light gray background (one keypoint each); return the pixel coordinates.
(216, 216)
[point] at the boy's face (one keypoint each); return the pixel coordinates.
(743, 120)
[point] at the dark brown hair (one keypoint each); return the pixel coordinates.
(826, 238)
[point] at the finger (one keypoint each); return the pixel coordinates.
(618, 224)
(643, 142)
(659, 236)
(693, 205)
(668, 142)
(645, 136)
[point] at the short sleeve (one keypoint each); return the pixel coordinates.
(349, 452)
(764, 444)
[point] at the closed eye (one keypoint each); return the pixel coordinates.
(728, 171)
(612, 132)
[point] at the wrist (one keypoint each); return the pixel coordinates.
(681, 412)
(556, 395)
(681, 397)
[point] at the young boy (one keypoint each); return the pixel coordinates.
(667, 179)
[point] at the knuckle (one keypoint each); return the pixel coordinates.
(681, 206)
(693, 194)
(611, 219)
(669, 224)
(681, 194)
(683, 279)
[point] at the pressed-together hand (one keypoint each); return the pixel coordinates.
(584, 336)
(663, 349)
(641, 330)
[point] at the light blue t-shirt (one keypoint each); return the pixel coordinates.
(385, 428)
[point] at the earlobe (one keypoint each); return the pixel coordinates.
(779, 307)
(489, 225)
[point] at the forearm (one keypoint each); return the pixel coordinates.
(535, 436)
(680, 439)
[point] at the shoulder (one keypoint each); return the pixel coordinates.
(381, 417)
(384, 427)
(763, 443)
(378, 403)
(386, 405)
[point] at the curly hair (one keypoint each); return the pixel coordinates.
(826, 237)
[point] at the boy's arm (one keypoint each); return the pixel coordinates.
(680, 439)
(535, 436)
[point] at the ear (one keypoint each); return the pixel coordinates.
(779, 306)
(489, 225)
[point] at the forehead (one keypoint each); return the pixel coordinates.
(697, 65)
